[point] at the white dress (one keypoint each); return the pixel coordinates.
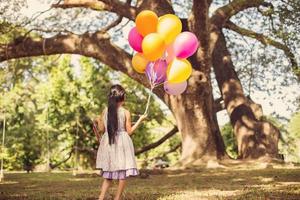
(116, 161)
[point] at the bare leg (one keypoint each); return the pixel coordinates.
(120, 189)
(105, 185)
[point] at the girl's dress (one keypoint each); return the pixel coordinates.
(116, 161)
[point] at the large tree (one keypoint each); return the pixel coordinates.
(194, 110)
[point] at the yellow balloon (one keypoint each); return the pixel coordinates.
(179, 70)
(153, 46)
(169, 26)
(139, 63)
(146, 22)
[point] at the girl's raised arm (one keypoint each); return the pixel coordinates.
(130, 128)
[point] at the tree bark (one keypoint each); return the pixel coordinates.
(255, 137)
(192, 110)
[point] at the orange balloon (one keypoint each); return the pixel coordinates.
(153, 46)
(139, 63)
(146, 22)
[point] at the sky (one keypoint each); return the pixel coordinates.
(34, 6)
(270, 105)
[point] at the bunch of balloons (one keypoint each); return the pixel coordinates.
(162, 50)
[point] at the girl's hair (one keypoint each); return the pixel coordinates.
(116, 95)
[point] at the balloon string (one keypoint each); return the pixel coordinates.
(148, 101)
(153, 85)
(159, 84)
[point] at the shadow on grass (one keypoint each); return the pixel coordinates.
(170, 185)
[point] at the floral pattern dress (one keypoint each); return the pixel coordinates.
(116, 161)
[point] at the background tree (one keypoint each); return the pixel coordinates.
(195, 109)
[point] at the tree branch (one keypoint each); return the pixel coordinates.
(87, 150)
(224, 13)
(198, 21)
(121, 8)
(113, 24)
(160, 7)
(139, 151)
(265, 40)
(158, 142)
(53, 166)
(96, 45)
(166, 153)
(218, 105)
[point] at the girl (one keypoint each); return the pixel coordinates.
(115, 156)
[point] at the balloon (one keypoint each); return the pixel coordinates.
(156, 71)
(146, 22)
(153, 46)
(185, 45)
(169, 54)
(135, 39)
(175, 88)
(179, 70)
(169, 26)
(139, 63)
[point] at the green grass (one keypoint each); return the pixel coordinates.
(234, 184)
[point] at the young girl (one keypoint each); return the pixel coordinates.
(115, 156)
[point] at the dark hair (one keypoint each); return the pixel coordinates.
(116, 95)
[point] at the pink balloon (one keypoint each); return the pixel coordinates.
(169, 54)
(135, 40)
(175, 88)
(156, 71)
(185, 45)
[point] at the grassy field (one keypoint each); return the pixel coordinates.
(266, 184)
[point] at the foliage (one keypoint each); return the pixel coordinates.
(229, 140)
(55, 100)
(294, 135)
(294, 125)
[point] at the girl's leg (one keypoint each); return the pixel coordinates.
(105, 185)
(120, 189)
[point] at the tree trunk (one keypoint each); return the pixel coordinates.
(201, 139)
(255, 137)
(193, 110)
